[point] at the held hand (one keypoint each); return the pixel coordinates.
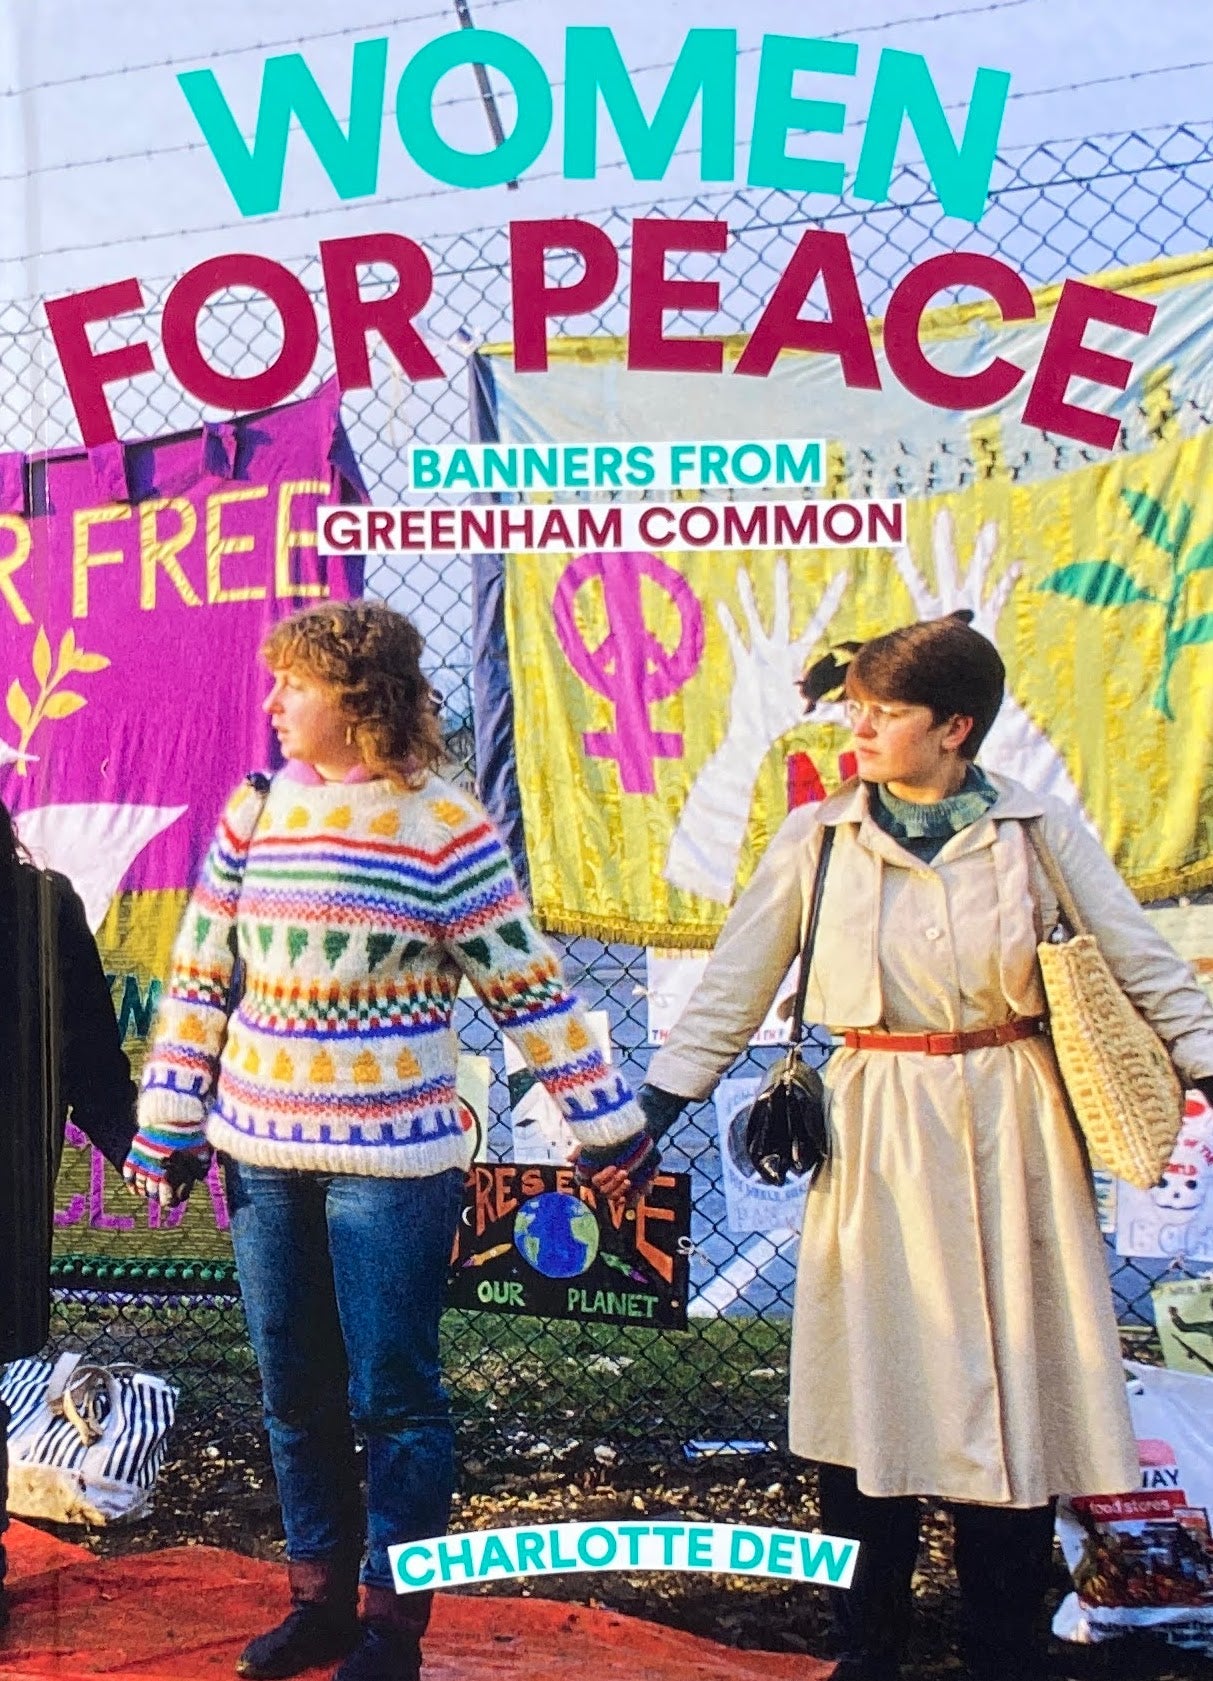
(183, 1172)
(627, 1178)
(158, 1171)
(613, 1184)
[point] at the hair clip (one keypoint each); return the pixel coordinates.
(825, 678)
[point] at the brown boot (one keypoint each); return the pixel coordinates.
(322, 1624)
(390, 1648)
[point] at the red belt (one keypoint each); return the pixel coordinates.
(946, 1044)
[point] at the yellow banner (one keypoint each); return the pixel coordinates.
(657, 725)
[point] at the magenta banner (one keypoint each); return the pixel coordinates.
(136, 584)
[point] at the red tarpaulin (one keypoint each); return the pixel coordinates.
(184, 1614)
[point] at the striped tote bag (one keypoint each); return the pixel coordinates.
(85, 1442)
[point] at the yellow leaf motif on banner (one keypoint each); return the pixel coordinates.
(322, 1071)
(42, 656)
(252, 1062)
(366, 1069)
(284, 1068)
(297, 817)
(52, 702)
(407, 1066)
(387, 824)
(341, 817)
(19, 708)
(577, 1036)
(192, 1030)
(63, 704)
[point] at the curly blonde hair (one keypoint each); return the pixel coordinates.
(371, 657)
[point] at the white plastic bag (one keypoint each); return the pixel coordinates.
(85, 1442)
(1143, 1560)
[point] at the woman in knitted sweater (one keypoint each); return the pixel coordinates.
(358, 891)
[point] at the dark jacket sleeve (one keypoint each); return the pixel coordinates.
(94, 1071)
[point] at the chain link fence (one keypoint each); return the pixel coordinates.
(529, 1386)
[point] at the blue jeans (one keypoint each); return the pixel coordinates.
(343, 1278)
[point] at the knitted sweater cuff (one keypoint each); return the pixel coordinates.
(172, 1113)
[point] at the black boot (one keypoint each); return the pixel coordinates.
(390, 1647)
(321, 1626)
(872, 1617)
(1003, 1561)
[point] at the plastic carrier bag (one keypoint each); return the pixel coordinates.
(85, 1442)
(1142, 1561)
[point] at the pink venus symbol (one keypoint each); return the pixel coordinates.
(630, 667)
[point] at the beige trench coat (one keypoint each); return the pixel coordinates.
(953, 1331)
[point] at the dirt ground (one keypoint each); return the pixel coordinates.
(217, 1489)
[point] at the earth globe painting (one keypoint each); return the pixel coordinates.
(556, 1234)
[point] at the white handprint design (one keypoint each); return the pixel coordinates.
(93, 845)
(1015, 745)
(765, 705)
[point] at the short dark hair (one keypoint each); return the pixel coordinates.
(943, 664)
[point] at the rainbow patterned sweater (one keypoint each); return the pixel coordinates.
(360, 909)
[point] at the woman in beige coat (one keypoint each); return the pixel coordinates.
(953, 1333)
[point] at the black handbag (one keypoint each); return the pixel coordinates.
(785, 1130)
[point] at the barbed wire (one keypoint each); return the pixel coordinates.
(391, 200)
(249, 47)
(502, 93)
(521, 1376)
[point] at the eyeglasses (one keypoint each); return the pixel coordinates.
(879, 717)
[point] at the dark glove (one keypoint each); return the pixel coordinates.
(182, 1172)
(660, 1109)
(1204, 1085)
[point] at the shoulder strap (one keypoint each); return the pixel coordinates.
(1065, 899)
(259, 782)
(810, 938)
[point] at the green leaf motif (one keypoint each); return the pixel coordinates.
(335, 942)
(1179, 531)
(1149, 516)
(202, 928)
(265, 937)
(377, 948)
(296, 944)
(1097, 583)
(478, 951)
(514, 934)
(1201, 558)
(1199, 629)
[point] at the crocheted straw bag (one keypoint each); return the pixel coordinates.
(1118, 1074)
